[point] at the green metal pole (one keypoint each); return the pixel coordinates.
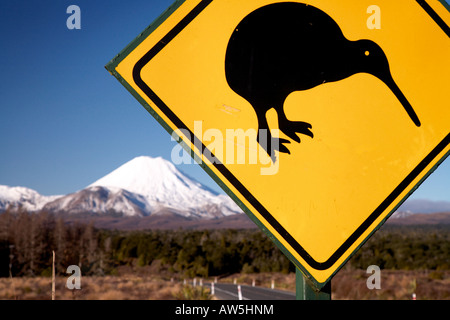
(304, 291)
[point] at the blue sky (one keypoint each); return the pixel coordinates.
(64, 120)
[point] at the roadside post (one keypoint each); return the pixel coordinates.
(307, 291)
(318, 118)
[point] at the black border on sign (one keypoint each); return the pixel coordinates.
(241, 188)
(435, 16)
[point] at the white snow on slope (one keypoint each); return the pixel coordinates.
(163, 185)
(100, 201)
(28, 199)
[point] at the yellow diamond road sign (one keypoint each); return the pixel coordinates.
(318, 118)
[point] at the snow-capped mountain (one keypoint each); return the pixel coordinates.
(100, 201)
(164, 186)
(401, 214)
(21, 197)
(156, 194)
(141, 187)
(424, 206)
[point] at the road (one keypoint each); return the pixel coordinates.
(225, 291)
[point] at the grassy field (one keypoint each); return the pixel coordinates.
(92, 288)
(347, 284)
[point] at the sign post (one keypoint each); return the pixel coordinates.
(307, 291)
(318, 118)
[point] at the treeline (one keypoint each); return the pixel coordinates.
(27, 242)
(406, 248)
(202, 253)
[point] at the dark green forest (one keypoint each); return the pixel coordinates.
(27, 242)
